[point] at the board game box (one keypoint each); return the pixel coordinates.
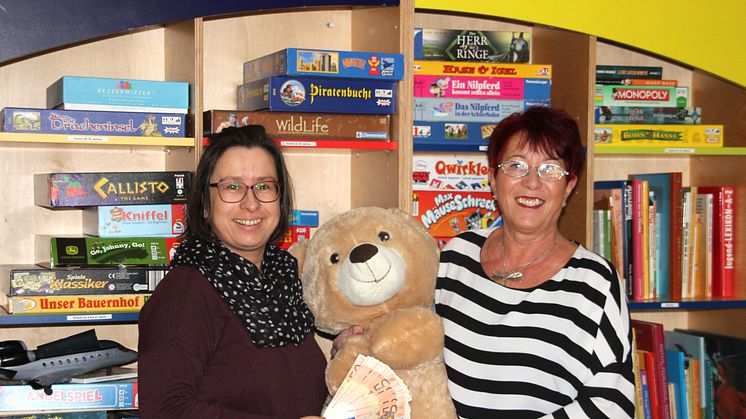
(318, 94)
(58, 121)
(451, 133)
(446, 214)
(63, 304)
(658, 135)
(108, 251)
(164, 220)
(471, 45)
(467, 87)
(291, 125)
(326, 63)
(95, 396)
(642, 96)
(304, 218)
(463, 68)
(456, 173)
(468, 110)
(621, 72)
(646, 115)
(71, 190)
(109, 94)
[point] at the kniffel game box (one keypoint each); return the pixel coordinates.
(91, 251)
(326, 63)
(658, 135)
(482, 87)
(318, 94)
(463, 68)
(291, 125)
(70, 190)
(108, 94)
(452, 133)
(471, 45)
(164, 220)
(58, 121)
(466, 110)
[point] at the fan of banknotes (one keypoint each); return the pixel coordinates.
(371, 389)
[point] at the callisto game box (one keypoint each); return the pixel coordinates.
(657, 97)
(57, 121)
(318, 94)
(467, 110)
(452, 133)
(165, 220)
(36, 280)
(658, 135)
(463, 68)
(456, 173)
(471, 45)
(448, 213)
(128, 95)
(326, 63)
(468, 87)
(70, 190)
(92, 251)
(291, 125)
(646, 115)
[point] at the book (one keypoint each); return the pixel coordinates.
(105, 375)
(693, 347)
(620, 193)
(723, 239)
(650, 338)
(676, 369)
(638, 280)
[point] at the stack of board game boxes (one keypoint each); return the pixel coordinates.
(316, 98)
(465, 82)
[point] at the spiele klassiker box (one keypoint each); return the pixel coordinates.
(291, 125)
(36, 280)
(458, 172)
(163, 220)
(59, 121)
(645, 96)
(110, 94)
(451, 133)
(92, 251)
(646, 115)
(658, 135)
(326, 63)
(468, 110)
(463, 68)
(318, 94)
(496, 88)
(71, 190)
(471, 45)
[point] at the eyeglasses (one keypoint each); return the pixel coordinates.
(231, 191)
(547, 171)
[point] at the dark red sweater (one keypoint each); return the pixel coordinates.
(196, 360)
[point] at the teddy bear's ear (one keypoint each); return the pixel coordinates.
(298, 250)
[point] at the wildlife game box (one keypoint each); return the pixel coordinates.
(471, 45)
(468, 110)
(468, 87)
(456, 173)
(318, 94)
(291, 125)
(108, 251)
(452, 133)
(326, 63)
(109, 94)
(59, 121)
(163, 220)
(464, 68)
(642, 96)
(658, 135)
(71, 190)
(647, 115)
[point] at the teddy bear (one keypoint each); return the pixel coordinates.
(376, 268)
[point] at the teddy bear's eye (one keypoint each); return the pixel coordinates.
(334, 258)
(384, 236)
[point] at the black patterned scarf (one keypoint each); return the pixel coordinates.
(269, 303)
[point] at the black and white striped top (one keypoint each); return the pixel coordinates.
(561, 348)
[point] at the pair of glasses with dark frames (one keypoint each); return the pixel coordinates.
(547, 171)
(231, 191)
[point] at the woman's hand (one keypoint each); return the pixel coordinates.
(343, 335)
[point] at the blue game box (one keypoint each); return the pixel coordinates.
(452, 133)
(318, 94)
(469, 110)
(56, 121)
(104, 94)
(94, 396)
(325, 63)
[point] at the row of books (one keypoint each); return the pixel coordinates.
(668, 241)
(687, 374)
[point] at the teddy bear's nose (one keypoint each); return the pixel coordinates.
(363, 253)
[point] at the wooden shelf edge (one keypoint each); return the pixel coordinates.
(651, 150)
(712, 303)
(351, 144)
(66, 319)
(90, 139)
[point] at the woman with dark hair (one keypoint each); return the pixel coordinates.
(226, 332)
(536, 325)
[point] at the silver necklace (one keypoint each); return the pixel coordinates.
(517, 274)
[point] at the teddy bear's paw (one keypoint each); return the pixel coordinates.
(408, 338)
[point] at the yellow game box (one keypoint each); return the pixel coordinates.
(658, 135)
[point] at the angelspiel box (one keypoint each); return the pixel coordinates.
(318, 94)
(36, 280)
(290, 125)
(165, 220)
(458, 172)
(109, 94)
(446, 214)
(64, 304)
(471, 45)
(468, 87)
(91, 251)
(645, 115)
(661, 96)
(63, 190)
(452, 133)
(326, 63)
(658, 135)
(95, 396)
(468, 110)
(462, 68)
(57, 121)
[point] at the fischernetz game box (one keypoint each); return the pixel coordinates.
(326, 63)
(318, 94)
(71, 190)
(59, 121)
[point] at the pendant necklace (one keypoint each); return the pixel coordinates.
(517, 274)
